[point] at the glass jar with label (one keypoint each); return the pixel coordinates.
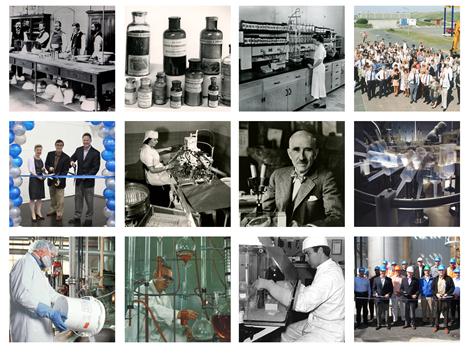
(159, 92)
(193, 83)
(226, 79)
(210, 51)
(176, 94)
(213, 93)
(137, 46)
(144, 94)
(174, 49)
(130, 91)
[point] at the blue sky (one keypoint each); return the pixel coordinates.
(392, 9)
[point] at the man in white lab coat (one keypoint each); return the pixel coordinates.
(324, 299)
(32, 297)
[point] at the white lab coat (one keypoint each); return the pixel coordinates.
(324, 299)
(318, 74)
(162, 307)
(151, 158)
(29, 287)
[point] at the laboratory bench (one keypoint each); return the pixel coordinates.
(286, 89)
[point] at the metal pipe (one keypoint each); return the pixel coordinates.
(102, 261)
(204, 264)
(72, 280)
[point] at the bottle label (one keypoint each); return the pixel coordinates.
(211, 41)
(212, 99)
(144, 99)
(211, 66)
(174, 47)
(193, 85)
(226, 70)
(138, 43)
(176, 99)
(160, 95)
(138, 65)
(130, 98)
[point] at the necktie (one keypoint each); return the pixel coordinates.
(297, 181)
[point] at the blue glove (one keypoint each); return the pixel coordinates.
(56, 317)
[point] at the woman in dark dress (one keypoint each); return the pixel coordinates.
(36, 183)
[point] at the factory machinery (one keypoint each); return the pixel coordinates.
(210, 298)
(192, 171)
(84, 273)
(429, 172)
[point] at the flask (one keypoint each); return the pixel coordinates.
(144, 94)
(213, 93)
(159, 92)
(226, 79)
(137, 46)
(130, 91)
(210, 51)
(174, 49)
(193, 83)
(176, 94)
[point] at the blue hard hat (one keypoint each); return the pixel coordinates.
(382, 268)
(456, 270)
(377, 268)
(437, 259)
(385, 261)
(441, 267)
(452, 260)
(361, 270)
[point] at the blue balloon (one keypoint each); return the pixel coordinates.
(110, 204)
(29, 125)
(11, 182)
(108, 193)
(109, 124)
(11, 223)
(12, 136)
(109, 143)
(17, 202)
(110, 165)
(17, 161)
(12, 124)
(15, 150)
(107, 155)
(14, 192)
(95, 122)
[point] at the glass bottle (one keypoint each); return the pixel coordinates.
(144, 94)
(174, 49)
(193, 83)
(130, 91)
(221, 318)
(226, 79)
(137, 45)
(176, 96)
(160, 89)
(213, 93)
(202, 329)
(210, 51)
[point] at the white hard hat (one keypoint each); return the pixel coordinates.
(410, 269)
(151, 134)
(420, 259)
(314, 241)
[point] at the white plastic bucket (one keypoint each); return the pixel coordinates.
(85, 316)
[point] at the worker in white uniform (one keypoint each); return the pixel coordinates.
(157, 177)
(32, 297)
(318, 72)
(163, 310)
(324, 299)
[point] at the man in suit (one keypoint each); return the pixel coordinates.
(410, 289)
(57, 163)
(306, 192)
(382, 290)
(419, 268)
(87, 160)
(443, 288)
(371, 303)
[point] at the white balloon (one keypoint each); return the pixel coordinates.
(110, 183)
(107, 212)
(18, 181)
(110, 223)
(15, 212)
(18, 129)
(111, 132)
(105, 172)
(17, 221)
(20, 139)
(15, 172)
(103, 132)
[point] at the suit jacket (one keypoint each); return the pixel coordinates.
(408, 290)
(449, 286)
(317, 202)
(418, 273)
(381, 290)
(62, 168)
(89, 166)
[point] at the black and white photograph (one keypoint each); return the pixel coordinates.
(177, 174)
(178, 57)
(407, 289)
(407, 173)
(292, 289)
(291, 58)
(62, 58)
(291, 174)
(62, 173)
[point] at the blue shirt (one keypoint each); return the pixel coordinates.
(362, 285)
(426, 287)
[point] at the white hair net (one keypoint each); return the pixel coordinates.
(43, 245)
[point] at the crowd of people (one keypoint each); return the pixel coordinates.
(416, 72)
(400, 289)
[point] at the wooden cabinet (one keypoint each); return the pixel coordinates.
(30, 24)
(107, 20)
(251, 96)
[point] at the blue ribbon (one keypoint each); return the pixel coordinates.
(68, 176)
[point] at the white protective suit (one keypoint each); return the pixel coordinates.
(29, 287)
(151, 158)
(324, 299)
(318, 73)
(162, 306)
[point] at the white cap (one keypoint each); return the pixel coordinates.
(314, 241)
(420, 259)
(410, 269)
(151, 134)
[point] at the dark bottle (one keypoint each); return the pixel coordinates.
(159, 92)
(213, 93)
(137, 46)
(174, 50)
(176, 94)
(210, 51)
(193, 83)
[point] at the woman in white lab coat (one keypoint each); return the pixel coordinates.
(318, 72)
